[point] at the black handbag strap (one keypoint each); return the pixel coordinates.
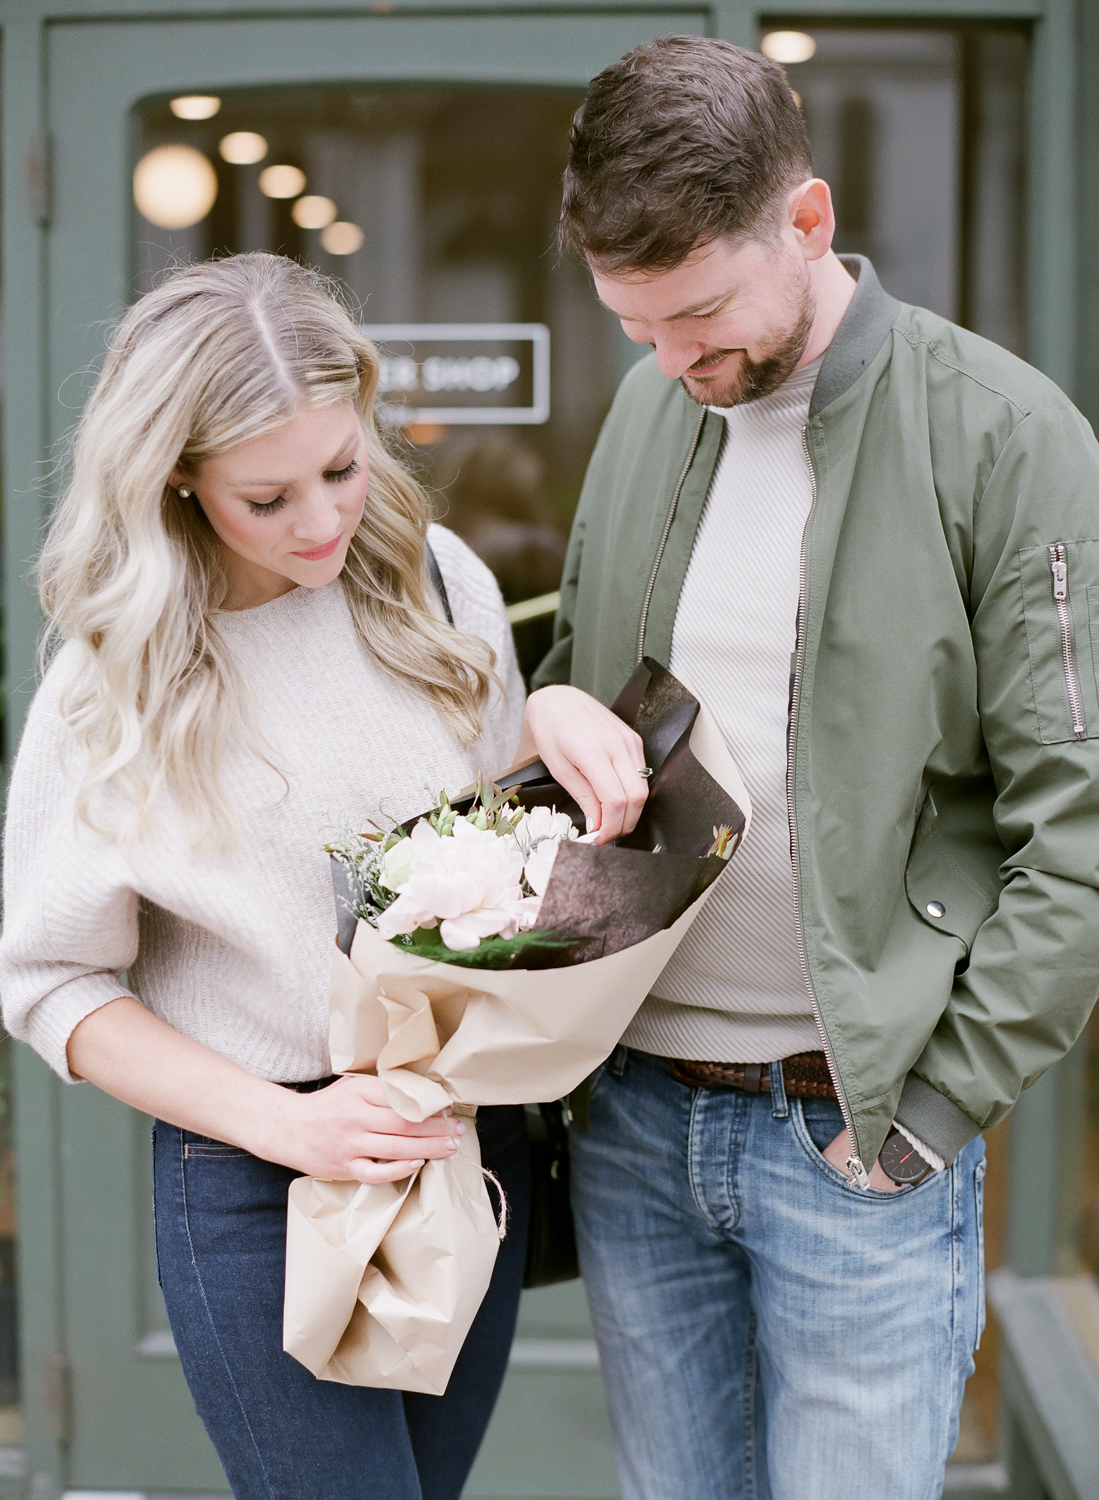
(436, 575)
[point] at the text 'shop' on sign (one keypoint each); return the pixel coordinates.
(462, 373)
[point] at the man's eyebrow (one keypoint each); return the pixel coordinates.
(711, 304)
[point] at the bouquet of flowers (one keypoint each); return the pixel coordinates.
(451, 934)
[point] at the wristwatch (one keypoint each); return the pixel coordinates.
(901, 1162)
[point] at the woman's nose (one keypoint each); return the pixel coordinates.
(318, 517)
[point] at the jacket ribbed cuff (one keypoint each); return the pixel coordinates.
(931, 1116)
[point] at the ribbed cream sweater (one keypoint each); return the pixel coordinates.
(235, 950)
(734, 991)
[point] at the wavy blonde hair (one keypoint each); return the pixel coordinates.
(218, 354)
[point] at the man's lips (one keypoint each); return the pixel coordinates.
(318, 554)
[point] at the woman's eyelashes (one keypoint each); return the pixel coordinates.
(269, 509)
(331, 476)
(335, 476)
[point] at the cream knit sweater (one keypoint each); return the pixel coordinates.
(235, 950)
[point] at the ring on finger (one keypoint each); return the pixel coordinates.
(645, 771)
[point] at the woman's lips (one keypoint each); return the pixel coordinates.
(318, 554)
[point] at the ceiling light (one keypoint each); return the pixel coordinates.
(788, 46)
(174, 186)
(314, 212)
(342, 238)
(242, 148)
(281, 181)
(195, 106)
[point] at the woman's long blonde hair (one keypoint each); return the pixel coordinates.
(216, 355)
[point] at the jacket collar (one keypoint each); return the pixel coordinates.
(865, 327)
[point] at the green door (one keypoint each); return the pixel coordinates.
(85, 99)
(105, 1401)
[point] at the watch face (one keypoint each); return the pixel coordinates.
(901, 1161)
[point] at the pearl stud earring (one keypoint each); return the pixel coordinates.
(184, 492)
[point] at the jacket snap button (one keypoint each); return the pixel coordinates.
(936, 909)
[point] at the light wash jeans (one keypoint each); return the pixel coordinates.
(767, 1332)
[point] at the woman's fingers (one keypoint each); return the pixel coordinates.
(401, 1147)
(596, 758)
(383, 1171)
(576, 784)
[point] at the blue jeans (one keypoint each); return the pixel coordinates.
(767, 1332)
(280, 1433)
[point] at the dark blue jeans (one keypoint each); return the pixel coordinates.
(280, 1433)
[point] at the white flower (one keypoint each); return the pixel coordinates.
(468, 885)
(543, 823)
(539, 834)
(397, 865)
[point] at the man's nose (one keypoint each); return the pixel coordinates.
(675, 358)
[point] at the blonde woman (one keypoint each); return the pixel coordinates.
(251, 651)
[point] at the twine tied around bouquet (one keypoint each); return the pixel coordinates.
(503, 1213)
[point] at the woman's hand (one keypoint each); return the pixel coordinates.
(594, 756)
(344, 1133)
(348, 1133)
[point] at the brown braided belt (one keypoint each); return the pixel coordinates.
(805, 1075)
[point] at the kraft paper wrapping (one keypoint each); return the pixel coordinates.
(384, 1280)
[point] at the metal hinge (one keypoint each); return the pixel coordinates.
(39, 179)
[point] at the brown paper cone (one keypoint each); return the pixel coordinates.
(383, 1282)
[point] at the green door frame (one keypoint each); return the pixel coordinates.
(1063, 339)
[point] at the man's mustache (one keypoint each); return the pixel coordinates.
(711, 361)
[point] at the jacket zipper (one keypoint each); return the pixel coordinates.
(664, 537)
(854, 1161)
(1058, 567)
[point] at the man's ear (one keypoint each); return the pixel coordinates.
(812, 217)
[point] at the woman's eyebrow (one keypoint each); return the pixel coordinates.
(341, 453)
(275, 484)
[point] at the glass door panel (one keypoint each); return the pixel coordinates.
(921, 133)
(436, 210)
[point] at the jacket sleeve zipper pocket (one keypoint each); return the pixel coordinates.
(1058, 567)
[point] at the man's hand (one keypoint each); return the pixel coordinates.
(594, 756)
(839, 1150)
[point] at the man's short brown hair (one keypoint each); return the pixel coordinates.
(685, 140)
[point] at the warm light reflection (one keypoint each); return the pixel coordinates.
(281, 181)
(314, 212)
(424, 434)
(174, 186)
(195, 106)
(788, 46)
(242, 148)
(342, 238)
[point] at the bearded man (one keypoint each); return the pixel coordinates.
(869, 540)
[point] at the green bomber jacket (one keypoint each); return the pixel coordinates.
(944, 747)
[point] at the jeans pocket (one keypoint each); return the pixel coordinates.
(979, 1210)
(812, 1125)
(200, 1148)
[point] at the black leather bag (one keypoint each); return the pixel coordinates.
(551, 1239)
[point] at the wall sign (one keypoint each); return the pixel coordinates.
(463, 373)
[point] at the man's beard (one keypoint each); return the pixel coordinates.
(759, 377)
